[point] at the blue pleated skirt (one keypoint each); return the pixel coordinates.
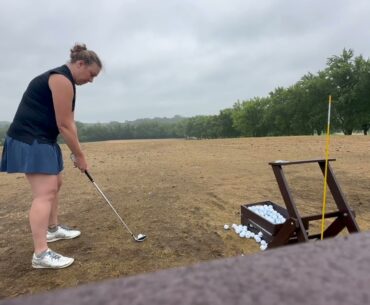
(37, 158)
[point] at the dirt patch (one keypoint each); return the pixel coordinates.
(179, 193)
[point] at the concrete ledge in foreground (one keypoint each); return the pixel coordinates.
(335, 271)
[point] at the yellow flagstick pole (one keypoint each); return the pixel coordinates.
(326, 171)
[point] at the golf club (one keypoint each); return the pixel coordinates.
(140, 237)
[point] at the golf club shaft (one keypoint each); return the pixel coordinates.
(107, 200)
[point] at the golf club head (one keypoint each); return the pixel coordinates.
(140, 237)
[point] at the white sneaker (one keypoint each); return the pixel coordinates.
(51, 259)
(62, 232)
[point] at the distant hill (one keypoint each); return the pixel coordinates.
(175, 119)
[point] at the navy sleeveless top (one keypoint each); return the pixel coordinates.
(35, 117)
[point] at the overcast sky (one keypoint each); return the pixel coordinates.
(175, 57)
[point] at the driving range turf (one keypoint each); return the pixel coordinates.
(180, 193)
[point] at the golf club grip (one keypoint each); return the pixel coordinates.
(89, 176)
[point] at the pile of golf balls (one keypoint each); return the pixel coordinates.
(243, 232)
(268, 212)
(265, 211)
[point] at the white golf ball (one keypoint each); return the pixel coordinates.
(226, 227)
(263, 247)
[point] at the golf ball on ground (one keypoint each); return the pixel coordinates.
(263, 247)
(226, 227)
(243, 232)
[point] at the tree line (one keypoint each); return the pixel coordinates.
(300, 109)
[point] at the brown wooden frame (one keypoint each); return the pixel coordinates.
(296, 228)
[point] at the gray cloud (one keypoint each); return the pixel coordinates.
(168, 57)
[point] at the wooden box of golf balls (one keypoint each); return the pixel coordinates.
(266, 217)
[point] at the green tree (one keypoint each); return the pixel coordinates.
(343, 75)
(315, 90)
(249, 117)
(278, 113)
(362, 92)
(226, 122)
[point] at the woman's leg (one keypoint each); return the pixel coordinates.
(44, 190)
(53, 219)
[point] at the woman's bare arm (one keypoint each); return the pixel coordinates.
(62, 92)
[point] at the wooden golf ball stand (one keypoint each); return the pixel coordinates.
(296, 228)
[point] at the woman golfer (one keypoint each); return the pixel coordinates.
(47, 109)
